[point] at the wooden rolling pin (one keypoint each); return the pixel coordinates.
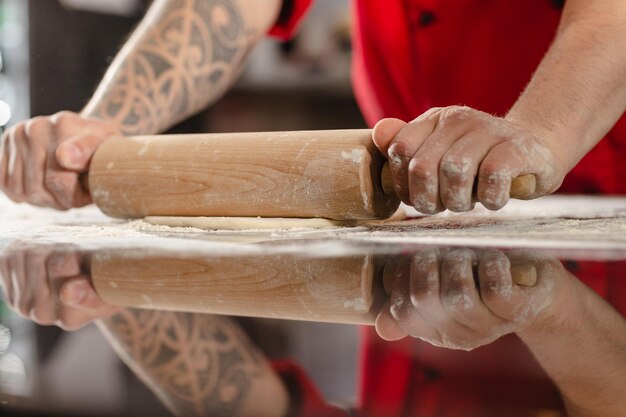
(335, 174)
(285, 286)
(345, 289)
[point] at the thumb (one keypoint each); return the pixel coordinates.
(384, 131)
(78, 293)
(75, 153)
(387, 327)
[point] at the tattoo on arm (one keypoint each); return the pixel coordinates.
(183, 56)
(197, 364)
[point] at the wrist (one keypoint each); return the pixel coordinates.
(565, 155)
(562, 316)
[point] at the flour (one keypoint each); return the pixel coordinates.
(556, 223)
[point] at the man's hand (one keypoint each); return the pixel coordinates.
(41, 159)
(48, 285)
(436, 296)
(450, 157)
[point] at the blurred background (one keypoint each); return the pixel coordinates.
(52, 55)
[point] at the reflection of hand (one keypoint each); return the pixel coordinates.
(439, 160)
(47, 285)
(463, 299)
(41, 159)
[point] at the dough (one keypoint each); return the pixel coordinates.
(247, 223)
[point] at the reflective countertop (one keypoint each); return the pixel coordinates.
(514, 313)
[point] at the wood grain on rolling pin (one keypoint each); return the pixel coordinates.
(340, 290)
(346, 289)
(331, 174)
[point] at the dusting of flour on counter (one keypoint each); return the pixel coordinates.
(550, 222)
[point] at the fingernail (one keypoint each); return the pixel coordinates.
(71, 157)
(73, 293)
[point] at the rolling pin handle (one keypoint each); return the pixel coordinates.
(83, 179)
(522, 187)
(386, 181)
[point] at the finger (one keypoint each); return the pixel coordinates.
(425, 288)
(75, 153)
(384, 131)
(461, 298)
(428, 192)
(424, 283)
(71, 318)
(44, 306)
(39, 134)
(15, 169)
(459, 167)
(409, 318)
(4, 159)
(64, 185)
(402, 148)
(22, 300)
(77, 292)
(399, 294)
(518, 304)
(495, 174)
(5, 273)
(387, 327)
(63, 264)
(68, 124)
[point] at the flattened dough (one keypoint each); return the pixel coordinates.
(247, 223)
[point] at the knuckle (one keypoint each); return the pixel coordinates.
(23, 308)
(400, 150)
(40, 316)
(36, 126)
(455, 114)
(399, 310)
(422, 169)
(63, 121)
(457, 297)
(456, 167)
(57, 186)
(456, 201)
(492, 174)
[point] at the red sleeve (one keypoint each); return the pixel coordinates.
(291, 15)
(305, 398)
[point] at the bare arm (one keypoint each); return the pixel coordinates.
(578, 338)
(578, 92)
(197, 364)
(450, 157)
(582, 346)
(183, 56)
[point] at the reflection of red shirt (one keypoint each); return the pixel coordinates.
(409, 56)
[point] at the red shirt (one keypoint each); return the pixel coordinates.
(409, 56)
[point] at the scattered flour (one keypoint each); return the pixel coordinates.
(557, 223)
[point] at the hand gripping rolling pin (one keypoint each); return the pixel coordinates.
(334, 174)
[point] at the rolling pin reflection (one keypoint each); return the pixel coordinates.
(338, 290)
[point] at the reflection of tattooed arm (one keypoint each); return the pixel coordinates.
(197, 364)
(183, 56)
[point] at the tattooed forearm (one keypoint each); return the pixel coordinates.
(197, 364)
(182, 57)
